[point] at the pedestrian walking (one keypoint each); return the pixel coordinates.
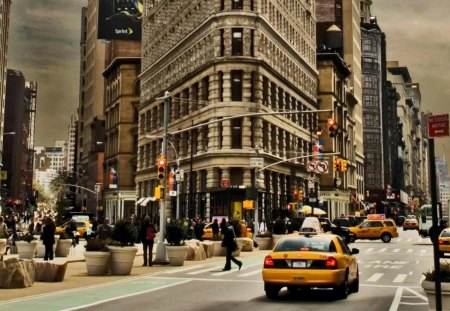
(147, 234)
(263, 226)
(223, 226)
(215, 228)
(229, 241)
(48, 237)
(243, 229)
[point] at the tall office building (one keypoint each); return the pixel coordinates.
(4, 29)
(90, 112)
(226, 59)
(71, 143)
(346, 16)
(20, 106)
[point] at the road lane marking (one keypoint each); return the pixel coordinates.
(382, 250)
(400, 278)
(409, 250)
(204, 270)
(409, 240)
(249, 273)
(396, 301)
(423, 250)
(177, 270)
(412, 291)
(375, 277)
(396, 250)
(369, 250)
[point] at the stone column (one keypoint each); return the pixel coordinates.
(214, 88)
(212, 177)
(247, 133)
(258, 88)
(247, 86)
(226, 135)
(227, 87)
(247, 177)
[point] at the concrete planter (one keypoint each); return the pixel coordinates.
(264, 243)
(2, 245)
(26, 250)
(222, 251)
(428, 287)
(122, 259)
(40, 249)
(275, 239)
(176, 254)
(63, 247)
(97, 263)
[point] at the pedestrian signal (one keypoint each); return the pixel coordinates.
(343, 165)
(337, 165)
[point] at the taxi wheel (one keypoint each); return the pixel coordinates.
(386, 237)
(271, 291)
(354, 287)
(343, 290)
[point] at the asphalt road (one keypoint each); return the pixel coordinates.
(390, 276)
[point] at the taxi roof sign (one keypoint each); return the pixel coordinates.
(376, 216)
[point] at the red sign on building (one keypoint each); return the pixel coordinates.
(225, 183)
(438, 126)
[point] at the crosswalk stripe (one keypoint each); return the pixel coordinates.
(409, 240)
(249, 273)
(400, 278)
(204, 270)
(423, 250)
(369, 249)
(409, 250)
(375, 277)
(184, 269)
(382, 250)
(396, 250)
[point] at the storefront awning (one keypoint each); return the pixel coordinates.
(144, 203)
(140, 200)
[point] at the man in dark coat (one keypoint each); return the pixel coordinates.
(147, 234)
(229, 241)
(48, 237)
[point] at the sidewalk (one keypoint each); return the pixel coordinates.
(76, 275)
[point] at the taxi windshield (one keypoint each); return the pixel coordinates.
(311, 244)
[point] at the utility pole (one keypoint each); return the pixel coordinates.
(161, 255)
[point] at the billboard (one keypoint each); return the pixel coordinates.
(120, 19)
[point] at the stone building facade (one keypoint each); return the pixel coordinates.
(221, 59)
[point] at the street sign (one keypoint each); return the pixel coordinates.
(257, 162)
(438, 126)
(172, 193)
(311, 166)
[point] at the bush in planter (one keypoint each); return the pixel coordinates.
(95, 245)
(26, 237)
(174, 232)
(444, 273)
(123, 234)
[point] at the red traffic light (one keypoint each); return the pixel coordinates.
(161, 167)
(332, 127)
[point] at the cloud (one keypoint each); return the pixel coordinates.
(44, 43)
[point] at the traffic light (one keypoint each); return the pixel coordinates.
(158, 192)
(295, 194)
(337, 165)
(161, 168)
(343, 165)
(367, 193)
(300, 195)
(332, 127)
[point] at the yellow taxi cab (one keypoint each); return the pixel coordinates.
(373, 228)
(309, 259)
(410, 222)
(208, 233)
(444, 242)
(82, 227)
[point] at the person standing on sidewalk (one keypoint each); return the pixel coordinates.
(147, 235)
(229, 241)
(48, 237)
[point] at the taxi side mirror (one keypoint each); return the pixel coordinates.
(355, 251)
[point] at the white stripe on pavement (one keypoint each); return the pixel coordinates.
(204, 270)
(369, 249)
(396, 250)
(375, 277)
(250, 273)
(400, 278)
(409, 250)
(382, 250)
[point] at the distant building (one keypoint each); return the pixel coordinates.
(71, 143)
(4, 30)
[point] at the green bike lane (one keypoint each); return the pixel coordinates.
(76, 298)
(91, 295)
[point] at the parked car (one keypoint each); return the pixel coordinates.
(308, 260)
(373, 229)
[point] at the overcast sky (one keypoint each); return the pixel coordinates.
(44, 45)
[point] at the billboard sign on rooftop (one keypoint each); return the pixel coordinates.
(120, 19)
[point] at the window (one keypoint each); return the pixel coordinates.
(236, 85)
(222, 42)
(370, 63)
(236, 133)
(369, 45)
(237, 44)
(237, 4)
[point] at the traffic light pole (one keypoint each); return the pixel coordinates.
(161, 255)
